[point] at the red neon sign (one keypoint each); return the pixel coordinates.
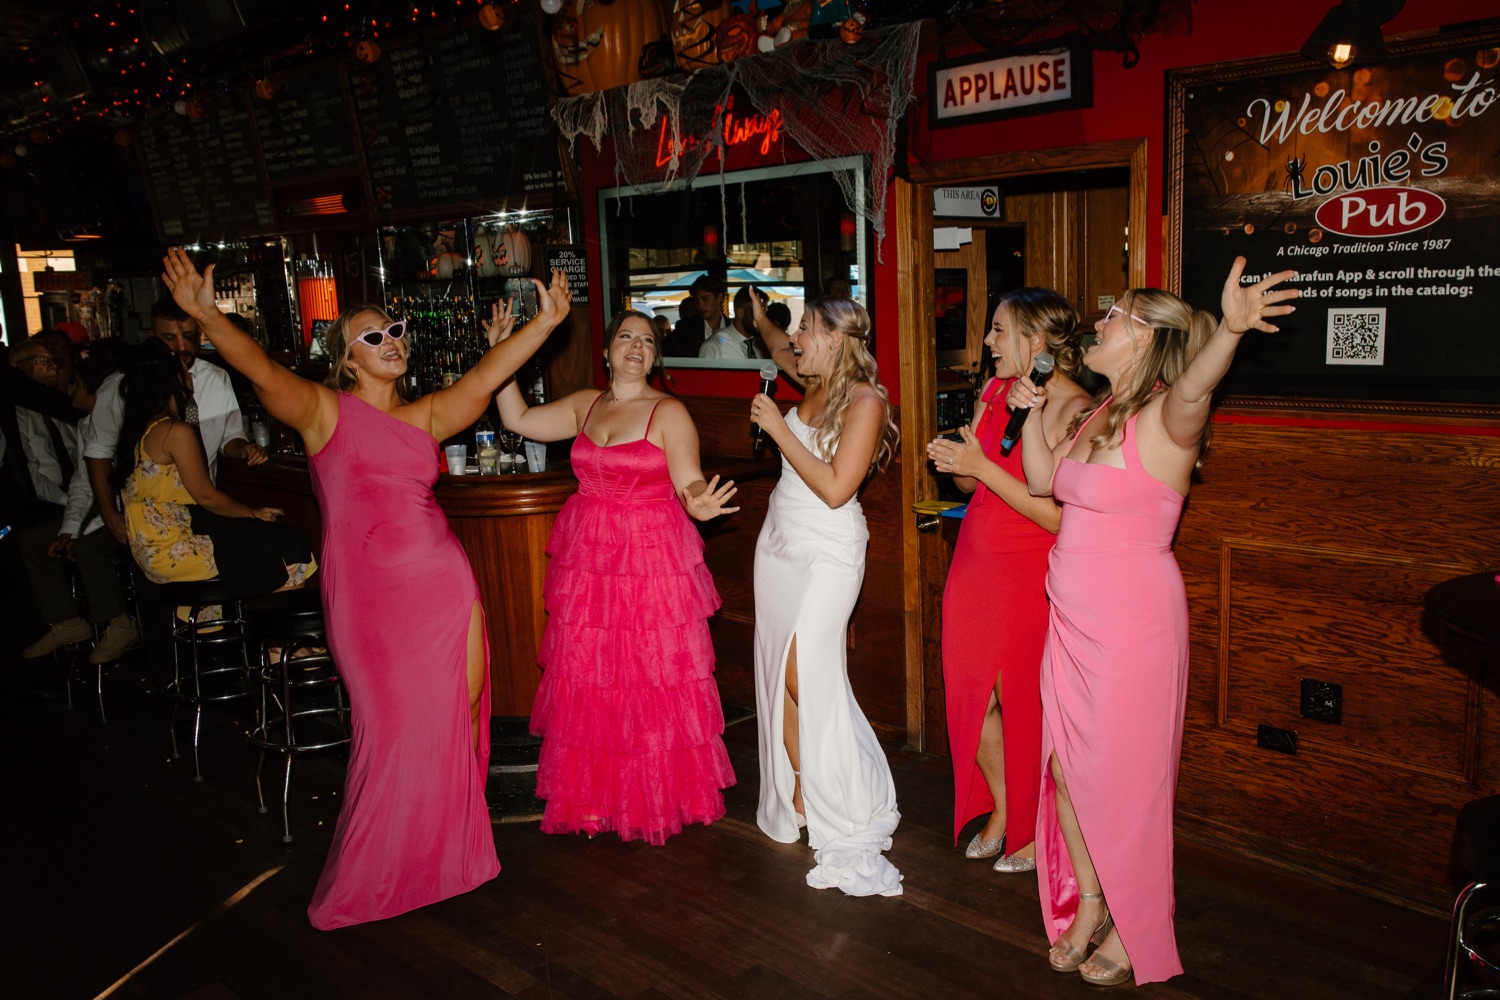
(738, 130)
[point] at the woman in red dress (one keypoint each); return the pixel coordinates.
(995, 604)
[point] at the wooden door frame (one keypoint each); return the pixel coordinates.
(917, 335)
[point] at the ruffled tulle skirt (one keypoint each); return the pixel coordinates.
(628, 710)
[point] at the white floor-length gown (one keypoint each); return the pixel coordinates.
(809, 565)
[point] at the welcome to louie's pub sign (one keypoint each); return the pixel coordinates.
(1380, 185)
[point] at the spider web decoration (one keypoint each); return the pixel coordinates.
(834, 100)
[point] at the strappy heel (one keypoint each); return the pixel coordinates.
(1063, 957)
(1112, 974)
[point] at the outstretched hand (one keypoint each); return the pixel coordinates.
(1246, 307)
(710, 503)
(192, 291)
(553, 302)
(502, 322)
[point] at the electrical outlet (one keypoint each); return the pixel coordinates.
(1323, 701)
(1272, 738)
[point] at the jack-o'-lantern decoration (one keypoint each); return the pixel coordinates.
(511, 252)
(596, 46)
(367, 51)
(694, 27)
(491, 17)
(852, 30)
(196, 108)
(736, 37)
(265, 89)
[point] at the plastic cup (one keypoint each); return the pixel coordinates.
(458, 458)
(536, 456)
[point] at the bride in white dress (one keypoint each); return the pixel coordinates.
(821, 766)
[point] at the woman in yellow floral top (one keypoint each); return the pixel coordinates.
(165, 487)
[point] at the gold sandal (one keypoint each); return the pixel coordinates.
(1063, 957)
(1113, 974)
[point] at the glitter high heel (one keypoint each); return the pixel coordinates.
(1063, 957)
(979, 847)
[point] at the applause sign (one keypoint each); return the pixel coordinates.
(978, 89)
(1380, 186)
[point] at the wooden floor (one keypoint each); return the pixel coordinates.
(123, 874)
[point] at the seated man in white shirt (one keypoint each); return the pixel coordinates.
(50, 446)
(79, 535)
(220, 425)
(737, 340)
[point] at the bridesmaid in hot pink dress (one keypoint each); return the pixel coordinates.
(400, 602)
(628, 709)
(1114, 679)
(995, 604)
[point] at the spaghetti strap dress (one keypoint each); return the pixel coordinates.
(398, 595)
(160, 522)
(994, 625)
(1114, 688)
(809, 567)
(628, 711)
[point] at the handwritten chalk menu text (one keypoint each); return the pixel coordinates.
(304, 130)
(457, 119)
(203, 174)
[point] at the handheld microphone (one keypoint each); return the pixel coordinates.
(768, 373)
(1041, 371)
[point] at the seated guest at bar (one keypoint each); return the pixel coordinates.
(1114, 678)
(64, 354)
(628, 710)
(50, 445)
(738, 339)
(77, 536)
(821, 766)
(404, 621)
(995, 602)
(212, 408)
(174, 511)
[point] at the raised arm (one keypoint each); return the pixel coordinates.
(306, 407)
(1185, 406)
(778, 342)
(459, 405)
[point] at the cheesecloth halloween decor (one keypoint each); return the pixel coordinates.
(832, 99)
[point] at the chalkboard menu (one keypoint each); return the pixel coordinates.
(203, 175)
(457, 119)
(304, 130)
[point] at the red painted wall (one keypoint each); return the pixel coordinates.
(1128, 103)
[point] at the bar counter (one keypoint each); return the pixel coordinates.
(503, 523)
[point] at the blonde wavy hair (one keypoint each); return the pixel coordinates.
(1178, 332)
(338, 344)
(1045, 311)
(853, 366)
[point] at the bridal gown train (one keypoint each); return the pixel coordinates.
(809, 565)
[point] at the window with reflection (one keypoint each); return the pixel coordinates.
(689, 257)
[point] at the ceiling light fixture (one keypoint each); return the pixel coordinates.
(1349, 34)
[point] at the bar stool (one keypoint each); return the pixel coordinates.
(1474, 941)
(124, 573)
(301, 707)
(210, 680)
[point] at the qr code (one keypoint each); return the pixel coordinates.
(1356, 337)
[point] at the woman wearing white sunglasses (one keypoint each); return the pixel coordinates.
(1114, 672)
(402, 607)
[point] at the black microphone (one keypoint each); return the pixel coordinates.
(768, 373)
(1041, 371)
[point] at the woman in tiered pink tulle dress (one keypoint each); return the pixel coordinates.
(1114, 674)
(628, 709)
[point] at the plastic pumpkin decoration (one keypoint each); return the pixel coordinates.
(196, 108)
(852, 30)
(736, 37)
(694, 27)
(367, 51)
(265, 89)
(491, 17)
(511, 252)
(597, 46)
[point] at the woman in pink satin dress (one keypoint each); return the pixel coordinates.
(1114, 674)
(400, 602)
